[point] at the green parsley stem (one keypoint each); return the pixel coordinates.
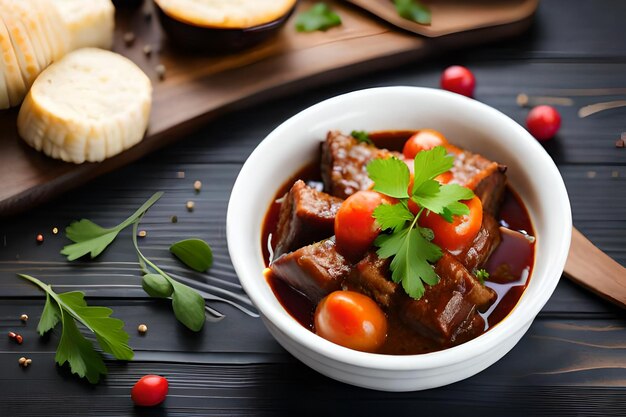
(55, 297)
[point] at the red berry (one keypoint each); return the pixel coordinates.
(459, 80)
(149, 390)
(543, 122)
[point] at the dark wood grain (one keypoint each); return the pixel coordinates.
(198, 88)
(570, 363)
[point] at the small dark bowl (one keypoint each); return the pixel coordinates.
(127, 3)
(215, 39)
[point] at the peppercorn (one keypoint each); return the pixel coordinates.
(174, 219)
(39, 238)
(24, 318)
(19, 339)
(160, 70)
(142, 328)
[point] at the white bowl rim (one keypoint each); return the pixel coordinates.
(524, 312)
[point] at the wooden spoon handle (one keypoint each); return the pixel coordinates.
(595, 270)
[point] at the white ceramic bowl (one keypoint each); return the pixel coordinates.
(465, 122)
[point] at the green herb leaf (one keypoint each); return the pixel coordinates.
(73, 348)
(88, 237)
(392, 216)
(413, 10)
(79, 352)
(195, 253)
(157, 286)
(429, 164)
(482, 275)
(361, 136)
(446, 201)
(187, 303)
(391, 176)
(188, 306)
(50, 316)
(319, 17)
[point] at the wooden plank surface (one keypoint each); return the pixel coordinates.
(572, 362)
(198, 88)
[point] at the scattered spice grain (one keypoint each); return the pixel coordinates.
(55, 230)
(190, 205)
(24, 318)
(142, 329)
(22, 361)
(39, 238)
(591, 174)
(174, 219)
(147, 49)
(129, 38)
(12, 335)
(142, 233)
(19, 339)
(160, 70)
(197, 185)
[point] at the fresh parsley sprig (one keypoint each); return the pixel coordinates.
(69, 308)
(88, 237)
(409, 244)
(361, 136)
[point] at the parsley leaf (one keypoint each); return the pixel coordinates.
(409, 244)
(392, 216)
(319, 17)
(88, 237)
(481, 275)
(391, 176)
(361, 136)
(69, 308)
(413, 10)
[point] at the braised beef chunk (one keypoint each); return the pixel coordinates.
(446, 312)
(369, 277)
(306, 216)
(450, 269)
(490, 190)
(486, 241)
(315, 270)
(344, 161)
(447, 307)
(478, 173)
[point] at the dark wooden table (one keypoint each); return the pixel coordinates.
(572, 361)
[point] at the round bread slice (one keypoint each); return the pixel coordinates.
(91, 105)
(226, 14)
(16, 89)
(22, 46)
(90, 23)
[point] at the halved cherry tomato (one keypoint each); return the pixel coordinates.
(423, 140)
(458, 234)
(351, 319)
(149, 390)
(355, 227)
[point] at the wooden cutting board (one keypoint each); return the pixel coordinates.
(198, 88)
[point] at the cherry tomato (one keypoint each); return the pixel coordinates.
(543, 122)
(458, 234)
(423, 140)
(355, 228)
(351, 319)
(459, 80)
(149, 390)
